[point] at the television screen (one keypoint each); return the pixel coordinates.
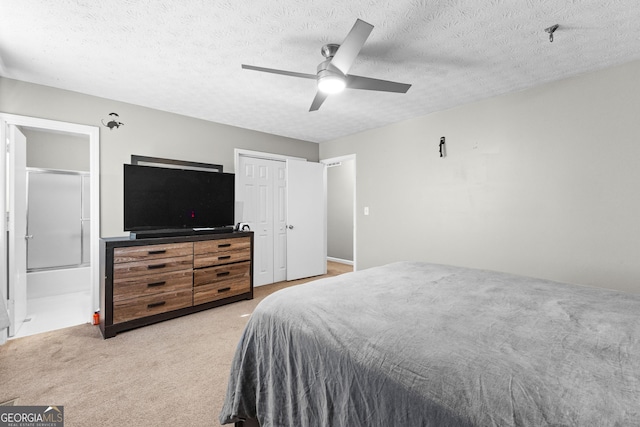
(165, 198)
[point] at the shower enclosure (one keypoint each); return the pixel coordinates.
(58, 250)
(58, 220)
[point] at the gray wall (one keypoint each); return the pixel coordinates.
(146, 132)
(340, 198)
(57, 150)
(543, 182)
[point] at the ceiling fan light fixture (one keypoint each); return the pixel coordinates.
(332, 74)
(331, 84)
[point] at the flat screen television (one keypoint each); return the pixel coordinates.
(157, 198)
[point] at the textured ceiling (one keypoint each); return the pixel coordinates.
(185, 56)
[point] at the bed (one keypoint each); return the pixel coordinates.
(419, 344)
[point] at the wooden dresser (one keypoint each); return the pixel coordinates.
(145, 281)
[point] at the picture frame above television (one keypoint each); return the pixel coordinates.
(172, 163)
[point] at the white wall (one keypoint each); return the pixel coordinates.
(56, 150)
(544, 182)
(146, 132)
(340, 198)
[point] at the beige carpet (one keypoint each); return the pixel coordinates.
(173, 373)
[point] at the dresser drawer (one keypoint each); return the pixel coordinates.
(211, 284)
(221, 245)
(214, 292)
(222, 273)
(136, 308)
(137, 286)
(152, 252)
(222, 251)
(151, 267)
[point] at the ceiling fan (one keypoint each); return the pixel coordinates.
(332, 74)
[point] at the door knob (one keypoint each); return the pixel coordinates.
(28, 236)
(290, 227)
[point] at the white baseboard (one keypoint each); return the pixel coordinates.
(341, 261)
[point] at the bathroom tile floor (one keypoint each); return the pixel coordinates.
(55, 312)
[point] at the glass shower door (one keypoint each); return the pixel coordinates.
(57, 218)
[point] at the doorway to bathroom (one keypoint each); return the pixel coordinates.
(52, 224)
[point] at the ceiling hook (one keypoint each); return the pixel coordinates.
(551, 30)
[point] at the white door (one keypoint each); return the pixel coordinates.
(255, 189)
(306, 219)
(261, 191)
(17, 227)
(280, 221)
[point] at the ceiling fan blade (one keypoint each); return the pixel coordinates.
(318, 100)
(350, 47)
(366, 83)
(283, 72)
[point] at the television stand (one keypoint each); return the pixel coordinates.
(153, 234)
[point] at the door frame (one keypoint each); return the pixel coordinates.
(237, 152)
(338, 159)
(93, 132)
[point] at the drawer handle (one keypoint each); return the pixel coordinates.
(151, 285)
(155, 266)
(156, 304)
(224, 245)
(224, 273)
(224, 290)
(224, 257)
(163, 251)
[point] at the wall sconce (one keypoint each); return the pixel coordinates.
(113, 123)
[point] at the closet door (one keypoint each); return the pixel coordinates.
(306, 219)
(289, 233)
(280, 222)
(254, 191)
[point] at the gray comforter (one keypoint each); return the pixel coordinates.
(416, 344)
